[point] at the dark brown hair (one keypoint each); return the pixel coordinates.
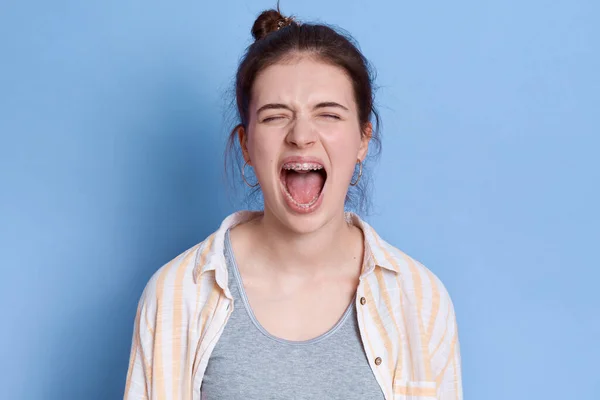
(278, 38)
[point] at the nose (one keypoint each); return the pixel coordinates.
(302, 134)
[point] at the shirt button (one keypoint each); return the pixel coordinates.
(363, 300)
(378, 361)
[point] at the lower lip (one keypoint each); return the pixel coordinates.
(302, 210)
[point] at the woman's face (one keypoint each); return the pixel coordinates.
(303, 140)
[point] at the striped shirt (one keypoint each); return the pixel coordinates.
(405, 315)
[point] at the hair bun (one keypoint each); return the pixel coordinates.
(269, 21)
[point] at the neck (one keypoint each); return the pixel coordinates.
(306, 253)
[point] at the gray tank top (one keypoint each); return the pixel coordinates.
(249, 363)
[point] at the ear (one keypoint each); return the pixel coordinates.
(367, 134)
(243, 138)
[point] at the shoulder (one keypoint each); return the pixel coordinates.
(183, 277)
(419, 284)
(175, 281)
(414, 279)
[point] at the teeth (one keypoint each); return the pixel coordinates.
(303, 166)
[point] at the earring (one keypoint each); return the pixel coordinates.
(244, 177)
(359, 173)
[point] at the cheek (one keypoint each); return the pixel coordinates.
(344, 144)
(261, 150)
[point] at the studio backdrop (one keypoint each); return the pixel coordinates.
(113, 121)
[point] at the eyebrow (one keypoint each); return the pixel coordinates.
(273, 106)
(278, 106)
(330, 104)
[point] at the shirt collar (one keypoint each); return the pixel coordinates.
(211, 257)
(377, 251)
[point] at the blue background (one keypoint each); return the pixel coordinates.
(113, 118)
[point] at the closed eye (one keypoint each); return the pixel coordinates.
(268, 119)
(331, 116)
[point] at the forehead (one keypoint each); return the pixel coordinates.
(303, 81)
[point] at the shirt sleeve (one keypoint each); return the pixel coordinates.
(169, 323)
(139, 374)
(445, 345)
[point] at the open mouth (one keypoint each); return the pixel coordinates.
(303, 183)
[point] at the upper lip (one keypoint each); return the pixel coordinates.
(302, 159)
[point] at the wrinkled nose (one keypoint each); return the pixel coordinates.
(302, 134)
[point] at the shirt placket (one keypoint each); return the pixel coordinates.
(372, 344)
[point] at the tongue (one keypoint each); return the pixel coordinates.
(304, 186)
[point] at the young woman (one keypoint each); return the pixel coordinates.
(302, 300)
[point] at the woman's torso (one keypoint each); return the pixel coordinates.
(249, 362)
